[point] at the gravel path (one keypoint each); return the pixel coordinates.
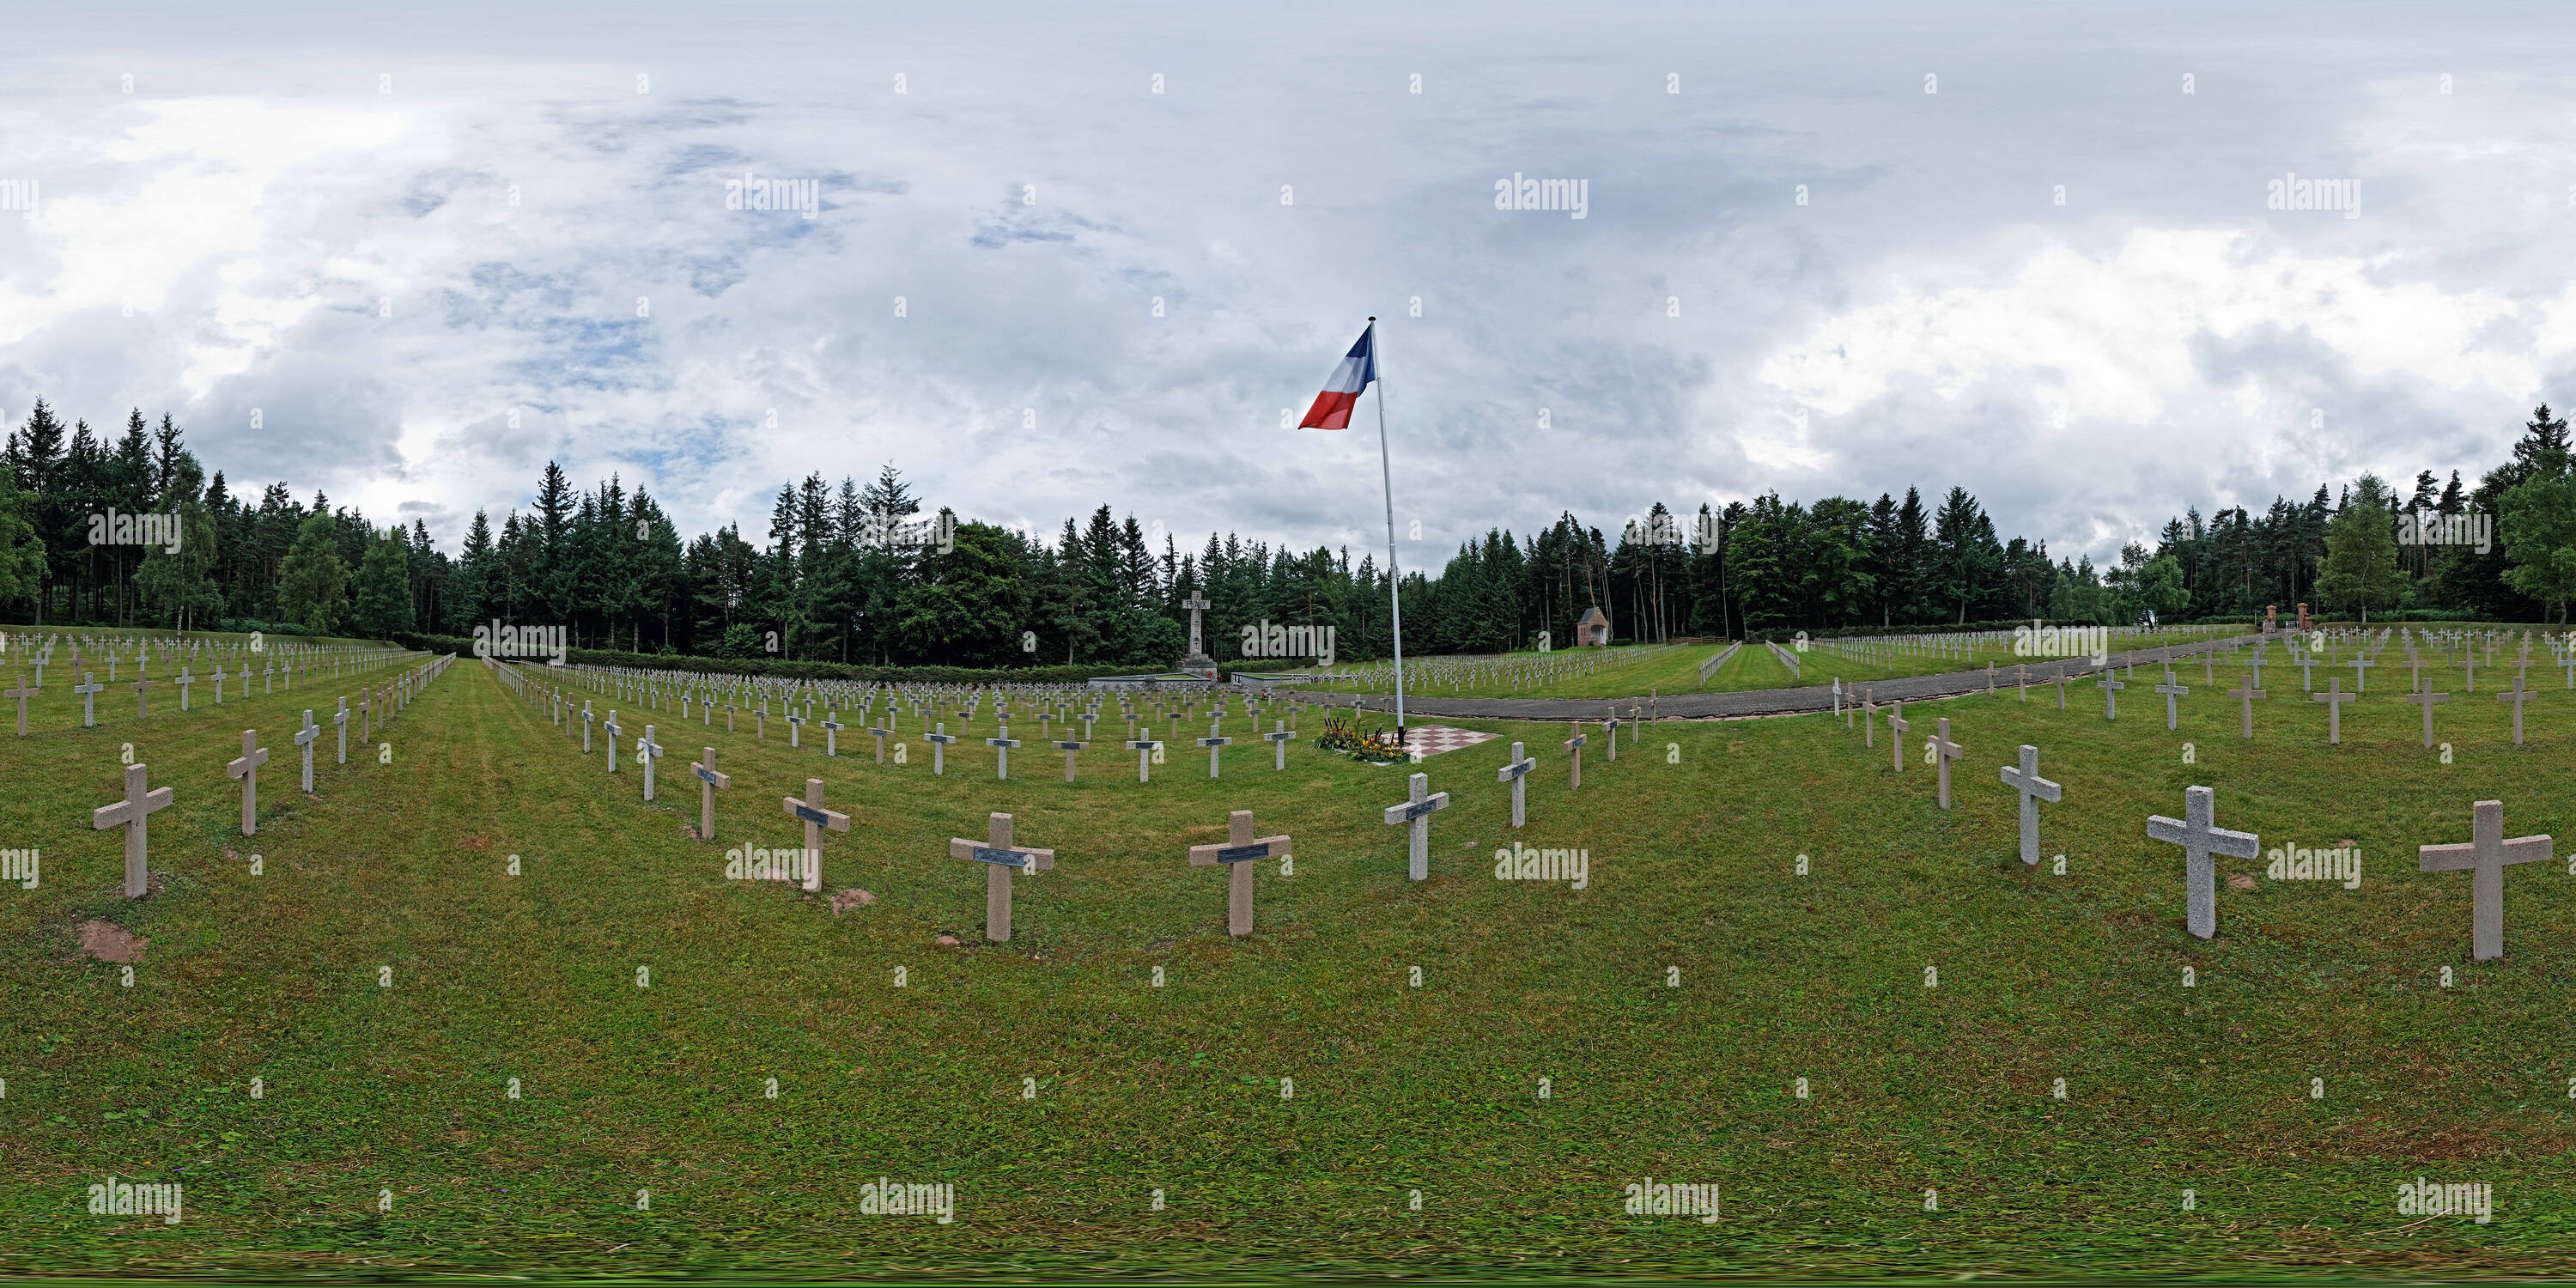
(1778, 702)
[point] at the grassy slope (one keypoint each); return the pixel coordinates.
(1397, 1088)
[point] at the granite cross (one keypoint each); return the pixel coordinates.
(2485, 858)
(2517, 695)
(1238, 853)
(879, 734)
(133, 813)
(2171, 690)
(1002, 750)
(796, 728)
(1575, 745)
(247, 770)
(2360, 665)
(648, 751)
(2199, 838)
(87, 689)
(832, 727)
(2033, 789)
(1417, 811)
(1897, 724)
(2110, 687)
(1212, 742)
(1278, 739)
(2425, 698)
(1069, 747)
(1000, 857)
(186, 678)
(1195, 603)
(341, 719)
(1144, 749)
(2470, 664)
(142, 699)
(1516, 773)
(1943, 752)
(21, 693)
(305, 739)
(2245, 693)
(938, 747)
(608, 726)
(2334, 697)
(816, 819)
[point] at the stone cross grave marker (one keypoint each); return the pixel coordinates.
(21, 693)
(1575, 746)
(133, 814)
(1001, 746)
(1238, 853)
(1000, 858)
(1144, 749)
(2110, 687)
(880, 735)
(2361, 664)
(1517, 774)
(2199, 838)
(1069, 747)
(87, 690)
(2485, 858)
(2172, 691)
(1897, 724)
(2033, 789)
(304, 739)
(2470, 664)
(938, 747)
(648, 751)
(2061, 686)
(1417, 811)
(832, 727)
(1214, 744)
(2334, 697)
(1943, 752)
(2517, 695)
(2245, 693)
(795, 729)
(341, 720)
(186, 678)
(816, 818)
(1278, 738)
(247, 770)
(2425, 698)
(609, 727)
(142, 699)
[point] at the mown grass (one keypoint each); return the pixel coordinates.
(1693, 837)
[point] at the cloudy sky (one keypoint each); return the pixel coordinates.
(2027, 248)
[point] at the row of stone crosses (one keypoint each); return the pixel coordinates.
(1002, 858)
(2485, 855)
(1047, 704)
(142, 801)
(2456, 653)
(278, 663)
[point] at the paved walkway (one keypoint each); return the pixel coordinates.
(1781, 702)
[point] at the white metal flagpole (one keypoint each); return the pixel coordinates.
(1394, 584)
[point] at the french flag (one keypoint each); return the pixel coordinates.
(1332, 409)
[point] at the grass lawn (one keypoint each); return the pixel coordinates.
(1671, 1007)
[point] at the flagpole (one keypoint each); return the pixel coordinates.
(1394, 585)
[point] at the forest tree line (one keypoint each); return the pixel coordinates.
(857, 572)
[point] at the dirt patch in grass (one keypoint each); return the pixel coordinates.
(109, 942)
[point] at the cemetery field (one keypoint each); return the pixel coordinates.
(1628, 671)
(1289, 1094)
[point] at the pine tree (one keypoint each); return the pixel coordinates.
(312, 583)
(383, 591)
